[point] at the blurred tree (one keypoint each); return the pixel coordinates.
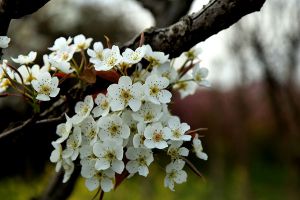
(183, 34)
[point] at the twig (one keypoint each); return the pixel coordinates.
(15, 129)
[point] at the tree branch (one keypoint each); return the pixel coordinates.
(15, 9)
(192, 29)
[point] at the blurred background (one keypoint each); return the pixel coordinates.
(252, 110)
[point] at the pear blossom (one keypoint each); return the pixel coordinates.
(113, 128)
(125, 93)
(73, 144)
(83, 109)
(111, 58)
(25, 59)
(197, 145)
(96, 53)
(90, 129)
(68, 167)
(103, 178)
(60, 59)
(6, 71)
(46, 86)
(63, 130)
(139, 160)
(81, 42)
(133, 57)
(176, 150)
(167, 71)
(156, 136)
(103, 105)
(88, 161)
(4, 84)
(155, 89)
(200, 74)
(110, 154)
(139, 138)
(148, 112)
(4, 41)
(56, 156)
(28, 74)
(192, 53)
(178, 129)
(175, 174)
(186, 86)
(60, 43)
(155, 58)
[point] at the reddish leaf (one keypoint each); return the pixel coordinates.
(88, 75)
(111, 75)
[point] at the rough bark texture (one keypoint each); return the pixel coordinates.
(192, 29)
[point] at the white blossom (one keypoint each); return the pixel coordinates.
(176, 151)
(139, 160)
(155, 89)
(113, 128)
(103, 178)
(90, 129)
(156, 136)
(81, 42)
(110, 154)
(148, 112)
(166, 71)
(125, 93)
(200, 74)
(103, 105)
(56, 156)
(4, 41)
(63, 130)
(68, 167)
(175, 174)
(4, 84)
(60, 43)
(139, 138)
(73, 144)
(28, 74)
(197, 145)
(111, 58)
(186, 86)
(178, 129)
(46, 86)
(25, 59)
(96, 53)
(83, 109)
(133, 57)
(155, 58)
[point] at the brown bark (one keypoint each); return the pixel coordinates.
(192, 29)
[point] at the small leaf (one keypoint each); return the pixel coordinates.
(111, 75)
(88, 75)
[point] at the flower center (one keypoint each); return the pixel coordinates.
(157, 136)
(154, 90)
(125, 95)
(45, 89)
(114, 129)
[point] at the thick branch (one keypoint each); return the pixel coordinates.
(15, 9)
(192, 29)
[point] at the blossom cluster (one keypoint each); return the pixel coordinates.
(120, 130)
